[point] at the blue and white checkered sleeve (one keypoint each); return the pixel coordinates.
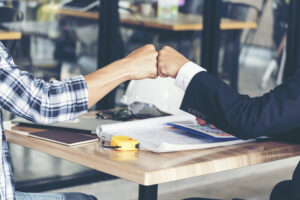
(37, 100)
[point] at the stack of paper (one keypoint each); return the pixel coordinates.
(155, 135)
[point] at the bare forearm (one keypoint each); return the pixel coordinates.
(104, 80)
(140, 64)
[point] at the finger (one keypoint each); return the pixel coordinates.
(166, 48)
(159, 69)
(201, 121)
(150, 47)
(156, 55)
(160, 74)
(163, 71)
(154, 76)
(212, 126)
(161, 52)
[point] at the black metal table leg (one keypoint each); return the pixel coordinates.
(148, 192)
(211, 35)
(180, 41)
(110, 44)
(233, 55)
(292, 62)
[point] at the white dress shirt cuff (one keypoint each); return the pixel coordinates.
(186, 73)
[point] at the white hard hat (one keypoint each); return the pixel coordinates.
(161, 93)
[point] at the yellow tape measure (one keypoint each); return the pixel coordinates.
(123, 143)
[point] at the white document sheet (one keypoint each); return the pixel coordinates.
(154, 135)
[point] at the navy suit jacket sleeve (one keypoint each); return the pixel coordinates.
(275, 112)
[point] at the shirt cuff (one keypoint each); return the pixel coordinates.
(80, 91)
(186, 73)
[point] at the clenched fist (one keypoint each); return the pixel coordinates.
(142, 63)
(169, 62)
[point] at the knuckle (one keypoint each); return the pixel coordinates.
(166, 48)
(162, 52)
(154, 73)
(161, 64)
(160, 59)
(159, 68)
(150, 46)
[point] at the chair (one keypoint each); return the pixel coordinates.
(257, 18)
(231, 39)
(276, 66)
(8, 15)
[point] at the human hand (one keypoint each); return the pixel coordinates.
(169, 62)
(142, 63)
(202, 122)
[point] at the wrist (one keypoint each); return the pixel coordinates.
(122, 67)
(180, 66)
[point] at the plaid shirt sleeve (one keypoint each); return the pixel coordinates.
(37, 100)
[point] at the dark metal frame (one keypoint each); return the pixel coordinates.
(211, 35)
(234, 57)
(9, 15)
(148, 192)
(293, 40)
(110, 45)
(58, 182)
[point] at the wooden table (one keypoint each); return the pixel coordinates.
(185, 22)
(10, 35)
(150, 169)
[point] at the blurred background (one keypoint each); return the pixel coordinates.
(57, 43)
(60, 40)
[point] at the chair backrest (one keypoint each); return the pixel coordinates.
(232, 10)
(192, 7)
(237, 11)
(9, 15)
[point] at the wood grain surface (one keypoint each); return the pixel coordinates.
(185, 22)
(149, 168)
(4, 35)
